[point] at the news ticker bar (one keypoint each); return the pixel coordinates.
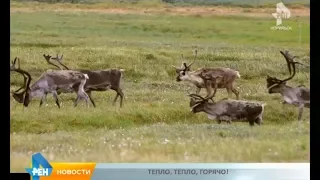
(181, 171)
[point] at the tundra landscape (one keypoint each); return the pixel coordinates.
(146, 39)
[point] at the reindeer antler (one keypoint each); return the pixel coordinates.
(25, 74)
(289, 58)
(209, 87)
(291, 67)
(59, 59)
(195, 57)
(184, 66)
(13, 67)
(208, 83)
(196, 96)
(47, 57)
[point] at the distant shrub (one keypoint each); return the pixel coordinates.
(242, 3)
(55, 1)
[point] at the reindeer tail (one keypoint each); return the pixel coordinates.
(238, 74)
(122, 71)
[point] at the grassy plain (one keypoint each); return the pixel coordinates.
(155, 124)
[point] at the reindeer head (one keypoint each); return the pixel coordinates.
(275, 85)
(23, 96)
(197, 102)
(57, 58)
(182, 71)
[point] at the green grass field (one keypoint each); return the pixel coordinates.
(155, 124)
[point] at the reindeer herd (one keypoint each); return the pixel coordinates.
(83, 82)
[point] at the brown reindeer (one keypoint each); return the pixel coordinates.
(49, 82)
(197, 77)
(226, 109)
(99, 80)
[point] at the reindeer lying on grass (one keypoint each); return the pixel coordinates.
(227, 110)
(49, 82)
(228, 75)
(99, 80)
(297, 96)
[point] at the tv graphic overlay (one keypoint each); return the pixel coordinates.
(41, 169)
(36, 172)
(282, 12)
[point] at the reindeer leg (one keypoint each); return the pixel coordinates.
(258, 120)
(236, 92)
(87, 101)
(119, 93)
(43, 99)
(76, 101)
(301, 106)
(284, 104)
(55, 96)
(229, 121)
(198, 91)
(229, 91)
(121, 97)
(211, 99)
(251, 122)
(115, 99)
(86, 98)
(91, 100)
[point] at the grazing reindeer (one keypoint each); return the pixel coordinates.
(297, 96)
(50, 82)
(225, 109)
(99, 80)
(197, 77)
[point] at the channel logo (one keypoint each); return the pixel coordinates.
(41, 169)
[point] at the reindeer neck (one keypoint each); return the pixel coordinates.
(284, 91)
(82, 84)
(208, 108)
(33, 87)
(35, 90)
(195, 79)
(289, 95)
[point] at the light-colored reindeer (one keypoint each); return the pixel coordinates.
(49, 82)
(196, 77)
(298, 96)
(225, 109)
(99, 80)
